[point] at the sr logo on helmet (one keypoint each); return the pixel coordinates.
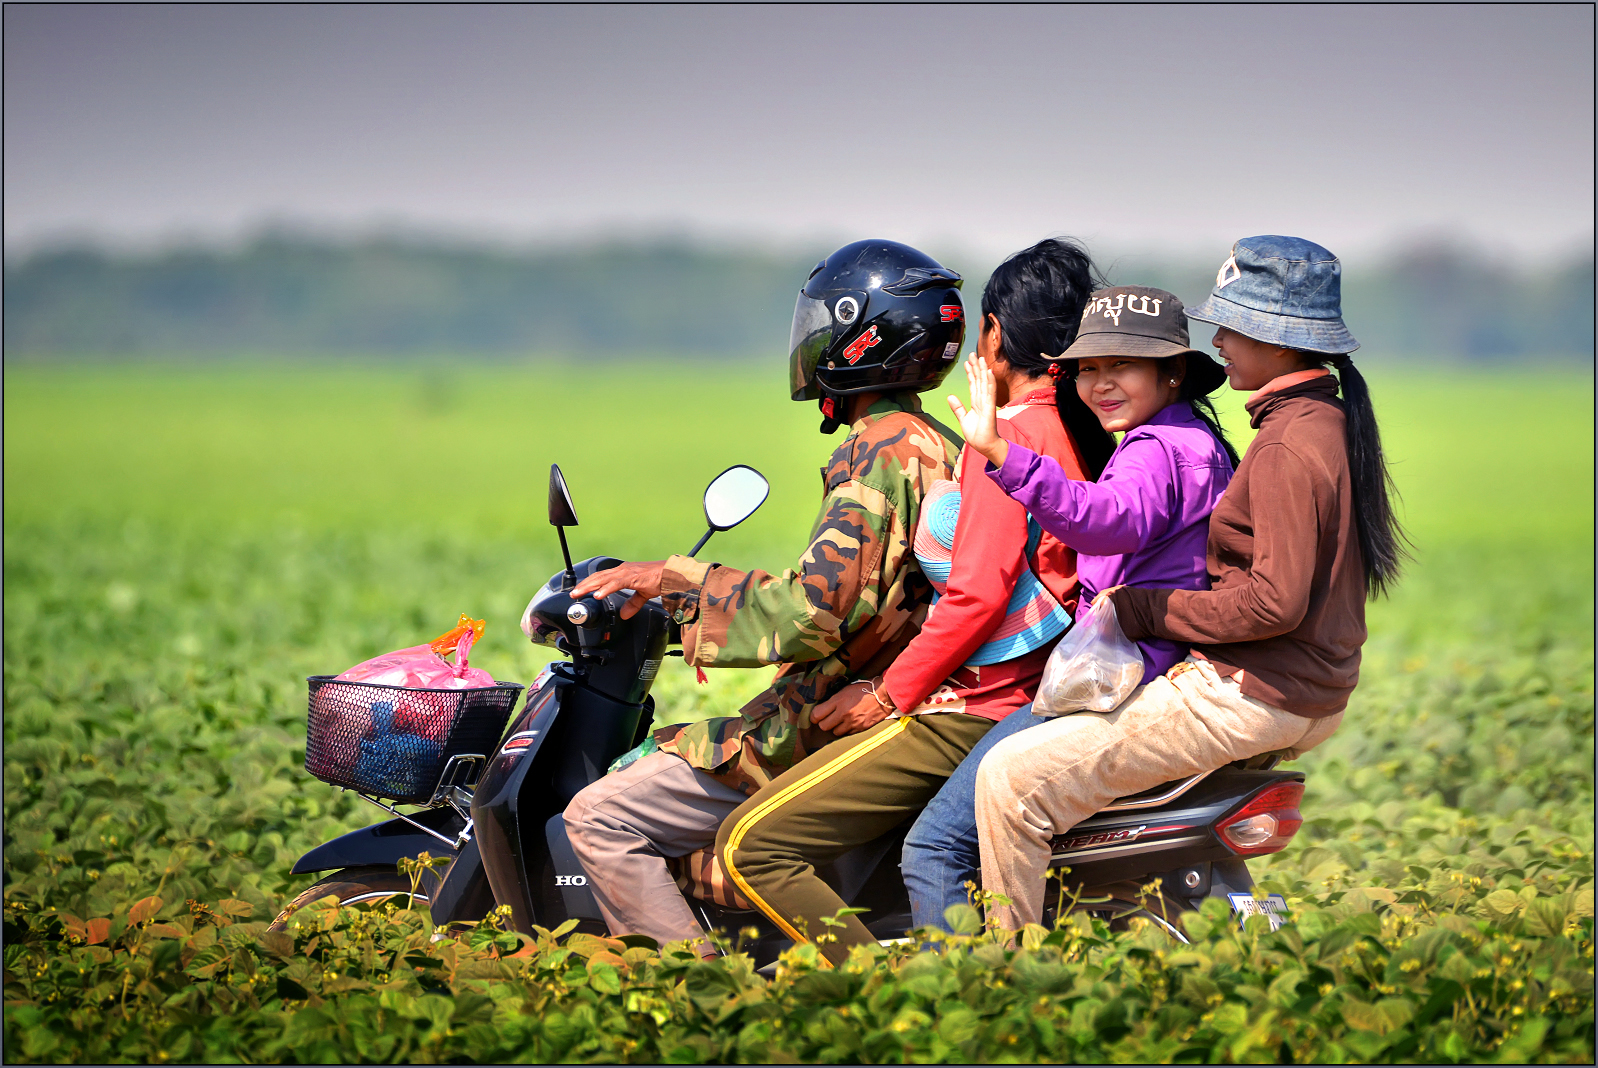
(857, 348)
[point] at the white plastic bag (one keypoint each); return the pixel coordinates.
(1093, 669)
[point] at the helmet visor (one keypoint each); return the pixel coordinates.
(811, 336)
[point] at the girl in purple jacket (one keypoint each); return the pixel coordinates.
(1145, 522)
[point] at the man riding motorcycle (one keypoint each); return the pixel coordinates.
(876, 323)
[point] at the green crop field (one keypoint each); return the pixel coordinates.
(183, 544)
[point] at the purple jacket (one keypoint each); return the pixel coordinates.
(1145, 522)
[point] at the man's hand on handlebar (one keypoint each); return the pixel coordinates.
(850, 711)
(642, 579)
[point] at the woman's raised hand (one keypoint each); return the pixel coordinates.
(980, 423)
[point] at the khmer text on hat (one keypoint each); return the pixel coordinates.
(1146, 322)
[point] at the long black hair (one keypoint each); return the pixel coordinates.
(1037, 296)
(1203, 408)
(1382, 541)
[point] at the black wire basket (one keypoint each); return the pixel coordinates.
(394, 741)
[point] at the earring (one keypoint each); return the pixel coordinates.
(1173, 382)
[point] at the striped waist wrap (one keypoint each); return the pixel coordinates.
(1033, 618)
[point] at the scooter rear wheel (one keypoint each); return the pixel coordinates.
(352, 886)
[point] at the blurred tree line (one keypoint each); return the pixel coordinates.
(284, 293)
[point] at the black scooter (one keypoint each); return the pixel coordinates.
(498, 816)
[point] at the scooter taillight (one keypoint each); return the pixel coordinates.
(1267, 823)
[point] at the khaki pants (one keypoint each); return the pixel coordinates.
(1046, 780)
(624, 826)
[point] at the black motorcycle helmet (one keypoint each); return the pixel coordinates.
(875, 315)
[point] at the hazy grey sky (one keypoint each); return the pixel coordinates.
(1156, 127)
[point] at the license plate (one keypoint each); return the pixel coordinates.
(1273, 908)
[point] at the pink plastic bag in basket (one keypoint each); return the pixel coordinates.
(424, 666)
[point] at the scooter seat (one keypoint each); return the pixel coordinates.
(1263, 761)
(1167, 792)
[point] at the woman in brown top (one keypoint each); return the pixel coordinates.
(1303, 535)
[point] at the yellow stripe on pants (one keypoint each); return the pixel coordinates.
(900, 725)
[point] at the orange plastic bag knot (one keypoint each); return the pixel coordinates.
(445, 643)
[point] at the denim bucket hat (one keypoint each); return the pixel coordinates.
(1282, 291)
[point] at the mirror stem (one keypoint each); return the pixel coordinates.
(571, 573)
(700, 544)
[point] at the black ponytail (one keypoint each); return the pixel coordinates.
(1037, 296)
(1204, 411)
(1382, 541)
(1203, 408)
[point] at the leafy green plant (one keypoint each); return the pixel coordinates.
(1362, 979)
(157, 635)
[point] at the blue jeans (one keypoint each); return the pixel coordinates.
(940, 852)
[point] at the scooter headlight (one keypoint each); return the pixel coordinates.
(529, 623)
(538, 631)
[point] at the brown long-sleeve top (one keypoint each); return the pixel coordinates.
(1286, 607)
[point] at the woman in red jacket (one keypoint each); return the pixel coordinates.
(1006, 595)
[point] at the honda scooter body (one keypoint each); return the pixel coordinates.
(508, 846)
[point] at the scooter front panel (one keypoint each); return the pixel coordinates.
(496, 803)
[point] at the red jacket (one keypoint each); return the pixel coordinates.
(989, 556)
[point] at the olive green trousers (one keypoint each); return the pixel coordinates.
(843, 796)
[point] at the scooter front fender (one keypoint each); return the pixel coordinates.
(385, 843)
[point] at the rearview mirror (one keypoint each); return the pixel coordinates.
(561, 516)
(732, 496)
(561, 512)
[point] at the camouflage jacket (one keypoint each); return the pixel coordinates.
(851, 605)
